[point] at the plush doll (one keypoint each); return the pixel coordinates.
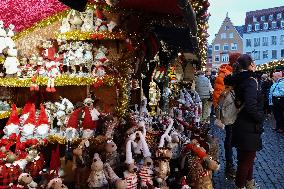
(9, 172)
(26, 180)
(29, 125)
(113, 179)
(2, 37)
(75, 19)
(88, 25)
(88, 124)
(53, 182)
(111, 25)
(97, 178)
(164, 156)
(10, 33)
(146, 172)
(71, 131)
(100, 24)
(35, 163)
(42, 126)
(100, 62)
(65, 26)
(88, 102)
(53, 71)
(12, 63)
(88, 55)
(12, 126)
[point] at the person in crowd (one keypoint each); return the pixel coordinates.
(213, 76)
(276, 99)
(204, 88)
(266, 84)
(219, 87)
(248, 126)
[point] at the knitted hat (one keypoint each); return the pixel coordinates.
(14, 119)
(42, 119)
(233, 58)
(88, 122)
(73, 120)
(26, 108)
(99, 14)
(31, 119)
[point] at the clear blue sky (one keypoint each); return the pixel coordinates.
(237, 10)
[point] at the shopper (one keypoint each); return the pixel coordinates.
(247, 128)
(266, 84)
(204, 88)
(276, 99)
(226, 69)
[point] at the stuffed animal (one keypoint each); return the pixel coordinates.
(75, 19)
(113, 179)
(9, 42)
(2, 37)
(29, 125)
(100, 23)
(146, 172)
(12, 126)
(97, 178)
(42, 127)
(163, 154)
(53, 71)
(12, 63)
(26, 180)
(53, 182)
(88, 25)
(65, 26)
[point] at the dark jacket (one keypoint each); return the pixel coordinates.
(265, 87)
(248, 126)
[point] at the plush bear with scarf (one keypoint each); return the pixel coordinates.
(49, 52)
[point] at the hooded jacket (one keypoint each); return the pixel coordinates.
(248, 128)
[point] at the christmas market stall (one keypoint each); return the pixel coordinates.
(100, 94)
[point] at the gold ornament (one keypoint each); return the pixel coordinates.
(6, 114)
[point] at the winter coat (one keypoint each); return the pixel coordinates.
(219, 85)
(203, 87)
(248, 128)
(265, 87)
(276, 90)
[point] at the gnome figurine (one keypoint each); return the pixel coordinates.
(29, 125)
(13, 123)
(88, 124)
(71, 131)
(42, 129)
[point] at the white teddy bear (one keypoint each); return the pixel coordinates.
(88, 25)
(2, 37)
(12, 63)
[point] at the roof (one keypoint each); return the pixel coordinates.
(265, 11)
(240, 30)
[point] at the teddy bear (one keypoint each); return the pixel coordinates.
(26, 180)
(3, 35)
(54, 182)
(97, 178)
(12, 63)
(75, 19)
(88, 25)
(113, 179)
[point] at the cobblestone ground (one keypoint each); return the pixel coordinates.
(269, 165)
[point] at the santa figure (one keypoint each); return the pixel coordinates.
(88, 124)
(25, 112)
(72, 125)
(88, 102)
(29, 125)
(53, 71)
(13, 123)
(100, 23)
(42, 129)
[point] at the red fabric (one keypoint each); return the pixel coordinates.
(34, 168)
(31, 119)
(88, 122)
(9, 175)
(14, 116)
(42, 119)
(55, 159)
(73, 120)
(196, 150)
(26, 108)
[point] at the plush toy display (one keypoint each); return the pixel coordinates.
(11, 63)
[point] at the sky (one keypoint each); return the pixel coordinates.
(237, 10)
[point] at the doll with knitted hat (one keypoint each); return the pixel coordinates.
(71, 131)
(12, 126)
(88, 124)
(29, 125)
(100, 23)
(42, 126)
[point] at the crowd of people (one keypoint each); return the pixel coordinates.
(257, 97)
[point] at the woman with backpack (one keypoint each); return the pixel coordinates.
(247, 128)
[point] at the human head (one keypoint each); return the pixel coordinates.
(264, 76)
(277, 75)
(233, 58)
(200, 72)
(245, 62)
(207, 72)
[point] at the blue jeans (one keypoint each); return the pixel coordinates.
(228, 144)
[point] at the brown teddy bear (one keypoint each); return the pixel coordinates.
(26, 181)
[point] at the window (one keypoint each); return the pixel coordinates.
(223, 36)
(254, 19)
(282, 53)
(256, 42)
(265, 54)
(282, 40)
(217, 58)
(274, 54)
(217, 47)
(225, 58)
(248, 42)
(248, 53)
(249, 28)
(265, 26)
(265, 41)
(256, 27)
(262, 18)
(226, 47)
(227, 27)
(256, 55)
(282, 23)
(279, 15)
(274, 25)
(271, 17)
(231, 35)
(273, 40)
(234, 46)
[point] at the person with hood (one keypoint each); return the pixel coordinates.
(276, 99)
(248, 127)
(224, 70)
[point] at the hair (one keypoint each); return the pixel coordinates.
(233, 58)
(243, 62)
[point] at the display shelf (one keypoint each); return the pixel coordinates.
(63, 80)
(82, 36)
(6, 114)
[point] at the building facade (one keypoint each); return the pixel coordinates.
(227, 40)
(263, 37)
(209, 57)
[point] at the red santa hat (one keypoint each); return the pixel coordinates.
(31, 119)
(88, 122)
(26, 108)
(73, 120)
(99, 14)
(14, 119)
(42, 119)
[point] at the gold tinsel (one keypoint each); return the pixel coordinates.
(54, 139)
(78, 35)
(7, 114)
(64, 80)
(270, 65)
(2, 60)
(41, 24)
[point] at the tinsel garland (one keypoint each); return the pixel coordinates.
(123, 97)
(6, 114)
(64, 80)
(271, 65)
(2, 60)
(78, 35)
